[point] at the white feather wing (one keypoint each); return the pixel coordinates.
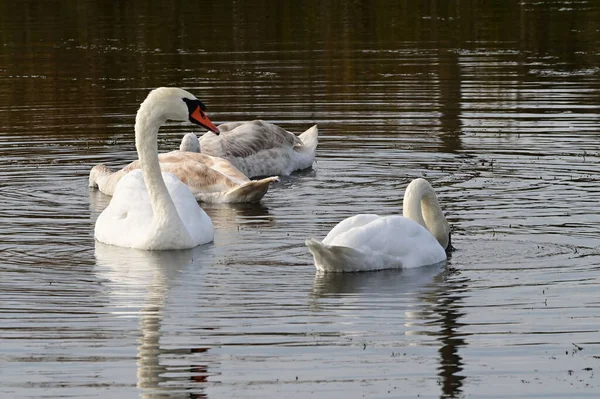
(128, 217)
(394, 239)
(348, 224)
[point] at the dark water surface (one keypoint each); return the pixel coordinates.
(496, 103)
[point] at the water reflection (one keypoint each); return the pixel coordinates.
(439, 304)
(224, 216)
(98, 202)
(444, 299)
(374, 283)
(450, 101)
(142, 280)
(232, 216)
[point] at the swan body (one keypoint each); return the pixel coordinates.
(371, 242)
(210, 179)
(259, 148)
(151, 210)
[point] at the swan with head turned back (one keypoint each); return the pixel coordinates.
(258, 148)
(151, 210)
(210, 179)
(370, 242)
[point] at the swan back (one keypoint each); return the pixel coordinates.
(129, 220)
(421, 205)
(259, 148)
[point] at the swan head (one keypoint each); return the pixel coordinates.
(97, 172)
(439, 227)
(449, 248)
(190, 143)
(179, 105)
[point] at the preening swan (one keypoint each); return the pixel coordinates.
(259, 148)
(210, 179)
(370, 242)
(151, 210)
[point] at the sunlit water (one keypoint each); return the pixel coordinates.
(505, 127)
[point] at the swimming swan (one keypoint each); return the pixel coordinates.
(370, 242)
(150, 210)
(259, 148)
(210, 179)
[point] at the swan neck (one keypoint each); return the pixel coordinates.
(147, 122)
(421, 205)
(412, 205)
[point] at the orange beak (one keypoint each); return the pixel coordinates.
(200, 118)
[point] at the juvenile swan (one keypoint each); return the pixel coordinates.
(370, 242)
(210, 179)
(150, 210)
(259, 148)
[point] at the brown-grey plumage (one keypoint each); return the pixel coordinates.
(210, 179)
(242, 139)
(260, 148)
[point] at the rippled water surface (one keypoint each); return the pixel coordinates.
(498, 105)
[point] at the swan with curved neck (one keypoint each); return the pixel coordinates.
(151, 210)
(370, 242)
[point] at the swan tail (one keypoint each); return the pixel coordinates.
(335, 258)
(310, 139)
(251, 191)
(304, 155)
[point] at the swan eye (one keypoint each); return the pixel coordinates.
(196, 114)
(194, 104)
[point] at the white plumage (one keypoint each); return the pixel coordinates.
(370, 242)
(151, 210)
(128, 221)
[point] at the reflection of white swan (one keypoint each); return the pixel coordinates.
(395, 283)
(141, 280)
(371, 242)
(258, 148)
(150, 210)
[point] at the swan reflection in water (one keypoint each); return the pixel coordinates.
(224, 216)
(433, 296)
(141, 282)
(231, 216)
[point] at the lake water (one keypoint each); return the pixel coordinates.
(497, 104)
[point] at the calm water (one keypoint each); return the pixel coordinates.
(498, 105)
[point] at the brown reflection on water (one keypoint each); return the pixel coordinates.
(449, 308)
(69, 60)
(450, 101)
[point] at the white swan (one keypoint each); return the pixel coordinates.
(150, 210)
(371, 242)
(259, 148)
